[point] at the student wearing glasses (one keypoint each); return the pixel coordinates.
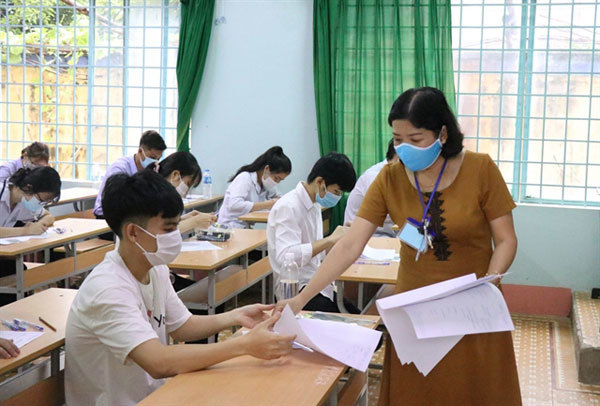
(23, 198)
(33, 156)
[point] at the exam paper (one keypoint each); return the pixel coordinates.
(20, 338)
(349, 344)
(379, 254)
(198, 246)
(14, 240)
(426, 323)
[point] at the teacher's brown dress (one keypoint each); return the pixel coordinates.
(481, 368)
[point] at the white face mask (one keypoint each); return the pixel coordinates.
(182, 188)
(268, 183)
(168, 246)
(27, 164)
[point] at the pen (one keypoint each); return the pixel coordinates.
(47, 324)
(12, 326)
(302, 346)
(29, 324)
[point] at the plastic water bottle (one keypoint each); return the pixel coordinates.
(289, 280)
(207, 184)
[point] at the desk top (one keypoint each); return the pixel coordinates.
(53, 306)
(197, 201)
(241, 242)
(302, 378)
(255, 217)
(76, 228)
(75, 194)
(375, 273)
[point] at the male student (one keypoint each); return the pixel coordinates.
(295, 225)
(360, 190)
(117, 331)
(150, 150)
(32, 156)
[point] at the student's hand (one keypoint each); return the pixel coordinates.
(271, 203)
(348, 224)
(47, 220)
(294, 303)
(251, 315)
(202, 220)
(338, 233)
(262, 342)
(36, 228)
(8, 349)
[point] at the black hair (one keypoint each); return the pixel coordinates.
(137, 198)
(274, 157)
(426, 107)
(335, 169)
(391, 151)
(38, 180)
(152, 140)
(37, 150)
(182, 161)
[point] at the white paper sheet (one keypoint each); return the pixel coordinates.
(379, 254)
(20, 338)
(198, 246)
(349, 344)
(13, 240)
(426, 323)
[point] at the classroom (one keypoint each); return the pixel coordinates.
(300, 202)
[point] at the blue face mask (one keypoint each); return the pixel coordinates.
(329, 200)
(147, 161)
(33, 204)
(417, 158)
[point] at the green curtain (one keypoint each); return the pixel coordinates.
(366, 53)
(194, 36)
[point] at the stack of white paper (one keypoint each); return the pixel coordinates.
(13, 240)
(349, 344)
(379, 254)
(20, 338)
(198, 246)
(426, 323)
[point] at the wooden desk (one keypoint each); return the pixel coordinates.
(262, 216)
(53, 306)
(77, 229)
(239, 245)
(76, 195)
(366, 273)
(302, 378)
(197, 201)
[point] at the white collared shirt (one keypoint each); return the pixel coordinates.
(9, 168)
(126, 165)
(111, 315)
(358, 194)
(9, 217)
(294, 223)
(240, 196)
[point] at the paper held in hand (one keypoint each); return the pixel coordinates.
(426, 323)
(349, 344)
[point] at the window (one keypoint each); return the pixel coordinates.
(527, 78)
(87, 78)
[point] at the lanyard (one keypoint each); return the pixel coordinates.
(437, 182)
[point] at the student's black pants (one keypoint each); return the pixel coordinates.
(323, 304)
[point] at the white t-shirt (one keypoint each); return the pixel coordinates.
(240, 196)
(358, 194)
(108, 319)
(294, 223)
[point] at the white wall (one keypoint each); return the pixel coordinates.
(257, 90)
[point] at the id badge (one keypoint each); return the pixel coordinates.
(410, 235)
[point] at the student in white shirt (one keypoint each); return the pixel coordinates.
(295, 225)
(182, 171)
(32, 156)
(149, 151)
(360, 190)
(120, 322)
(253, 187)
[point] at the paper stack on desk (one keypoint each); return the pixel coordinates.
(379, 254)
(426, 323)
(347, 343)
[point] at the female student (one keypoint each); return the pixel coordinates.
(23, 198)
(32, 156)
(181, 169)
(470, 208)
(253, 187)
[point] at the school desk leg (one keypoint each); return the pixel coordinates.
(55, 362)
(332, 399)
(361, 294)
(340, 296)
(20, 275)
(212, 276)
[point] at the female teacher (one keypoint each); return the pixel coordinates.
(451, 206)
